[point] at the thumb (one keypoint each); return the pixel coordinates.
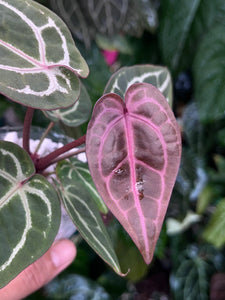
(56, 259)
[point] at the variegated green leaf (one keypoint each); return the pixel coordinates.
(75, 115)
(79, 172)
(39, 63)
(86, 217)
(29, 212)
(156, 75)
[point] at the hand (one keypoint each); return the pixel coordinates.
(56, 259)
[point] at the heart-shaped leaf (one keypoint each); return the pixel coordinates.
(133, 150)
(39, 63)
(29, 212)
(75, 115)
(84, 212)
(158, 76)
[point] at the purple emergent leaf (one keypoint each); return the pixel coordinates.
(133, 150)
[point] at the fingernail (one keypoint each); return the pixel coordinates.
(63, 253)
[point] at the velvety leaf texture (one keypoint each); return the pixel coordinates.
(133, 149)
(39, 63)
(156, 75)
(29, 212)
(74, 115)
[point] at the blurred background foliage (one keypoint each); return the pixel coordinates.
(188, 37)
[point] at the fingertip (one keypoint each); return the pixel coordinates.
(63, 253)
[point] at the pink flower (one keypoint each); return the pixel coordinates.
(110, 56)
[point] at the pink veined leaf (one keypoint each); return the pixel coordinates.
(133, 149)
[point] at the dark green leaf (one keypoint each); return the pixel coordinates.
(74, 115)
(75, 287)
(182, 26)
(85, 214)
(190, 281)
(39, 63)
(29, 212)
(209, 75)
(79, 172)
(158, 76)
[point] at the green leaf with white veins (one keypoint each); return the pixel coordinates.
(29, 212)
(39, 62)
(156, 75)
(74, 115)
(85, 214)
(79, 172)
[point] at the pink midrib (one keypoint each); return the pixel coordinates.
(131, 154)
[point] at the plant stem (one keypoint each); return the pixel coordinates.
(26, 128)
(47, 160)
(68, 155)
(48, 129)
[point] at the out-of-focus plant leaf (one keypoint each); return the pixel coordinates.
(188, 174)
(220, 163)
(133, 148)
(129, 257)
(85, 214)
(87, 18)
(114, 284)
(191, 279)
(206, 196)
(192, 127)
(118, 42)
(158, 76)
(161, 243)
(175, 227)
(99, 72)
(209, 75)
(176, 20)
(75, 287)
(108, 17)
(183, 24)
(214, 232)
(74, 115)
(29, 212)
(142, 15)
(39, 63)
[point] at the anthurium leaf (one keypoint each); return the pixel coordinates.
(29, 212)
(85, 18)
(177, 18)
(182, 26)
(74, 115)
(39, 63)
(133, 149)
(191, 279)
(85, 214)
(214, 232)
(155, 75)
(209, 77)
(73, 286)
(79, 172)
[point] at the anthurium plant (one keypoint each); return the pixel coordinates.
(132, 145)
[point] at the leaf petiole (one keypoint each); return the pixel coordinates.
(68, 155)
(26, 128)
(49, 159)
